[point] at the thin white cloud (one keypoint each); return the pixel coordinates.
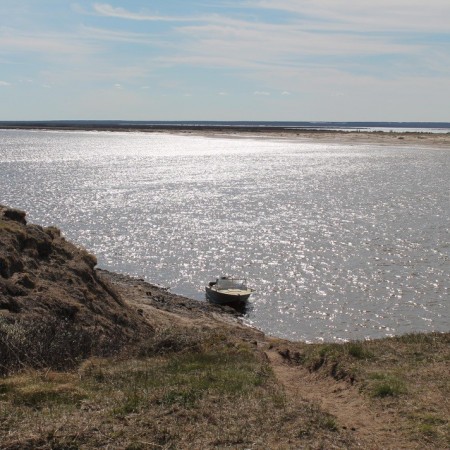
(314, 43)
(281, 40)
(108, 73)
(207, 59)
(121, 13)
(12, 40)
(4, 83)
(102, 34)
(364, 15)
(287, 48)
(318, 46)
(107, 10)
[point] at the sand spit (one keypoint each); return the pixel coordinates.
(437, 140)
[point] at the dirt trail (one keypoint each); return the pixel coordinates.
(371, 427)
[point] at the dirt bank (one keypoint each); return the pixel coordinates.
(50, 294)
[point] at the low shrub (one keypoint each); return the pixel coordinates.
(384, 385)
(358, 350)
(35, 342)
(168, 341)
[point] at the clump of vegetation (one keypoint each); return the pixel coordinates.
(172, 340)
(430, 425)
(88, 258)
(341, 361)
(16, 215)
(12, 227)
(358, 350)
(383, 385)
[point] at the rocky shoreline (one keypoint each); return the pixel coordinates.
(144, 293)
(161, 308)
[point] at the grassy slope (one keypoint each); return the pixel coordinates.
(211, 391)
(193, 388)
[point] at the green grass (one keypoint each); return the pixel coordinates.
(202, 388)
(358, 350)
(181, 379)
(384, 385)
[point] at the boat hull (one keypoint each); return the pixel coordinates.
(221, 298)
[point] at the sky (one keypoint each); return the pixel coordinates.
(286, 60)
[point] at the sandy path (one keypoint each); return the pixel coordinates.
(371, 427)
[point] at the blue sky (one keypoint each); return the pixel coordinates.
(225, 60)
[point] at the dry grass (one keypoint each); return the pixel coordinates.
(199, 388)
(218, 394)
(42, 342)
(54, 308)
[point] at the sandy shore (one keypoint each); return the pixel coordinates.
(435, 140)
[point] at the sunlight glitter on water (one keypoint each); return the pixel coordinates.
(341, 242)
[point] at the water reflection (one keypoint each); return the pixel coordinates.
(340, 242)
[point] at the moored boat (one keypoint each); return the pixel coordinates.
(228, 291)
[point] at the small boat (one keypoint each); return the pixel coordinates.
(228, 291)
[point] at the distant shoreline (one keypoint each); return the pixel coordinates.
(338, 136)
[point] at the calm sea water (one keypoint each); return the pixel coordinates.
(341, 242)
